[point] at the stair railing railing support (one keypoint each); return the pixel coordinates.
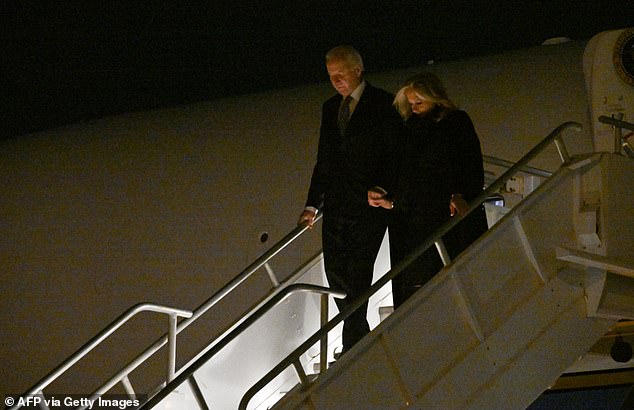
(272, 276)
(442, 251)
(125, 381)
(171, 360)
(323, 342)
(561, 149)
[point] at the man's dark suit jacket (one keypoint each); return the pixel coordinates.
(347, 166)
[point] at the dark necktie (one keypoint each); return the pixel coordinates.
(344, 114)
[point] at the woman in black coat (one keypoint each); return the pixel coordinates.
(440, 173)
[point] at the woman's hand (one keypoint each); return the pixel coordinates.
(457, 205)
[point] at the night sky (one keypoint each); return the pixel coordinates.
(72, 60)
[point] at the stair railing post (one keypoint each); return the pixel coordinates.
(42, 404)
(442, 251)
(198, 394)
(171, 356)
(561, 149)
(323, 342)
(303, 379)
(269, 270)
(125, 381)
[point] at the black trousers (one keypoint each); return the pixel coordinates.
(350, 246)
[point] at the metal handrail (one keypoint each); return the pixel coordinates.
(122, 375)
(279, 297)
(435, 239)
(109, 330)
(205, 306)
(508, 164)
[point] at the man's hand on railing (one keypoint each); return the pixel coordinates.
(307, 218)
(377, 198)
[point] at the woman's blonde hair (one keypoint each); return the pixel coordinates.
(428, 86)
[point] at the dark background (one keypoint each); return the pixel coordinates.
(69, 60)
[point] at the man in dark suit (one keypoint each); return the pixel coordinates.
(359, 132)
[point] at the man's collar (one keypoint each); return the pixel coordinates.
(356, 94)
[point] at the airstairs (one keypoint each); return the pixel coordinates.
(493, 330)
(498, 326)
